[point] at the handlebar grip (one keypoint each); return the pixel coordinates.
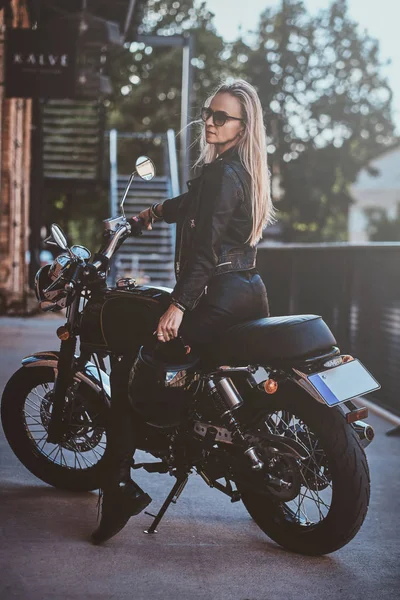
(137, 224)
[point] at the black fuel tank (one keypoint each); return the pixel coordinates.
(119, 321)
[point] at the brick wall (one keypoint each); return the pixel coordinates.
(15, 129)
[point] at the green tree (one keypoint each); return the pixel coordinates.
(147, 81)
(328, 109)
(382, 228)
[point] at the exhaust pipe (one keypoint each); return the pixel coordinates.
(364, 431)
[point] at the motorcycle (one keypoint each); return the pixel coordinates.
(267, 417)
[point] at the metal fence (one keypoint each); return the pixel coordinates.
(355, 288)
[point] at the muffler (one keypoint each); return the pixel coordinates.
(364, 431)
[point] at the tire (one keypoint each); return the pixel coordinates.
(78, 464)
(337, 469)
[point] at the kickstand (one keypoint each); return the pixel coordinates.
(172, 497)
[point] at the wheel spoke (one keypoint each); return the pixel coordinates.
(97, 453)
(41, 398)
(36, 421)
(309, 506)
(85, 441)
(301, 510)
(41, 440)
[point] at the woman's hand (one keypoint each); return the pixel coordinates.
(169, 324)
(146, 216)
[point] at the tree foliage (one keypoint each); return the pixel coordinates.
(147, 81)
(381, 227)
(327, 110)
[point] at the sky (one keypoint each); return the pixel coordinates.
(380, 18)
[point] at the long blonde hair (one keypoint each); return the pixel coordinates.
(252, 148)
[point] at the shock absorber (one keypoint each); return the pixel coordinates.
(227, 399)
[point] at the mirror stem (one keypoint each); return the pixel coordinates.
(131, 178)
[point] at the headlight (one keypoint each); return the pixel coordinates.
(58, 265)
(51, 276)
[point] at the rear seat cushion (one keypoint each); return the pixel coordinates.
(259, 341)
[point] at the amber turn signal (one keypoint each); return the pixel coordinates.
(347, 358)
(357, 415)
(63, 333)
(270, 386)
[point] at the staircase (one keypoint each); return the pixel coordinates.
(73, 132)
(149, 258)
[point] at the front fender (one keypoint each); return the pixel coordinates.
(95, 378)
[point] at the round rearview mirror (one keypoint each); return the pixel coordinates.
(145, 168)
(59, 237)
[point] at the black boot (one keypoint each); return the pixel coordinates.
(119, 503)
(121, 497)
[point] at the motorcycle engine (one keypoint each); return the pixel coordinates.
(159, 391)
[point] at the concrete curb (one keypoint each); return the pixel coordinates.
(381, 412)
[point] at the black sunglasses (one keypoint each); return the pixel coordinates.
(219, 117)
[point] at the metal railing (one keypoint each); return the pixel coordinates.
(355, 288)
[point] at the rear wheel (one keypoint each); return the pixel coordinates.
(78, 462)
(331, 486)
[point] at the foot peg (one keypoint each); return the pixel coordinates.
(152, 467)
(257, 463)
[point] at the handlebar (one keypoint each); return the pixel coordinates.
(133, 226)
(137, 224)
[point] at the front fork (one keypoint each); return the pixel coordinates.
(64, 377)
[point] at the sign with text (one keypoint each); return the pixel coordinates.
(41, 63)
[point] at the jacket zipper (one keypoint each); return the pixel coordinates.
(223, 264)
(178, 261)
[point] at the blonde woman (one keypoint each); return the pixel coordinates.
(219, 221)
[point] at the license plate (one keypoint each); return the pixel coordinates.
(344, 382)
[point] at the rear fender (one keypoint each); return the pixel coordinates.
(95, 378)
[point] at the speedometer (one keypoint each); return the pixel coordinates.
(81, 252)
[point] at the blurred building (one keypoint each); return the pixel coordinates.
(15, 132)
(377, 188)
(37, 143)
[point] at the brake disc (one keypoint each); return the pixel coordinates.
(285, 475)
(81, 434)
(315, 468)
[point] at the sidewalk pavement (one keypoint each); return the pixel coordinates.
(206, 548)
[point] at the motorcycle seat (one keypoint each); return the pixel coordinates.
(273, 338)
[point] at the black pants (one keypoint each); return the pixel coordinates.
(231, 298)
(120, 426)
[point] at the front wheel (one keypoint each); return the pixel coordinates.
(77, 463)
(332, 483)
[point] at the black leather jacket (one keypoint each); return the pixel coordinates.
(214, 220)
